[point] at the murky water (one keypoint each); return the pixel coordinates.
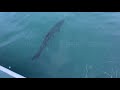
(87, 45)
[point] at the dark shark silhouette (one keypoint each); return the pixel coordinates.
(53, 30)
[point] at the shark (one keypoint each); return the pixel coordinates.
(48, 36)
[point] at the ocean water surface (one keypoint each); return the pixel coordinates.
(85, 45)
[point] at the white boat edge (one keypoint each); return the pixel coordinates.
(11, 73)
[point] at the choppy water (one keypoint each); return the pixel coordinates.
(87, 46)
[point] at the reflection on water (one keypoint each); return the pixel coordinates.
(109, 69)
(11, 39)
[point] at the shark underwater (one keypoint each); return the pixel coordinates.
(48, 36)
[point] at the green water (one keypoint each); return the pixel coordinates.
(87, 46)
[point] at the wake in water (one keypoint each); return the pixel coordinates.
(53, 30)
